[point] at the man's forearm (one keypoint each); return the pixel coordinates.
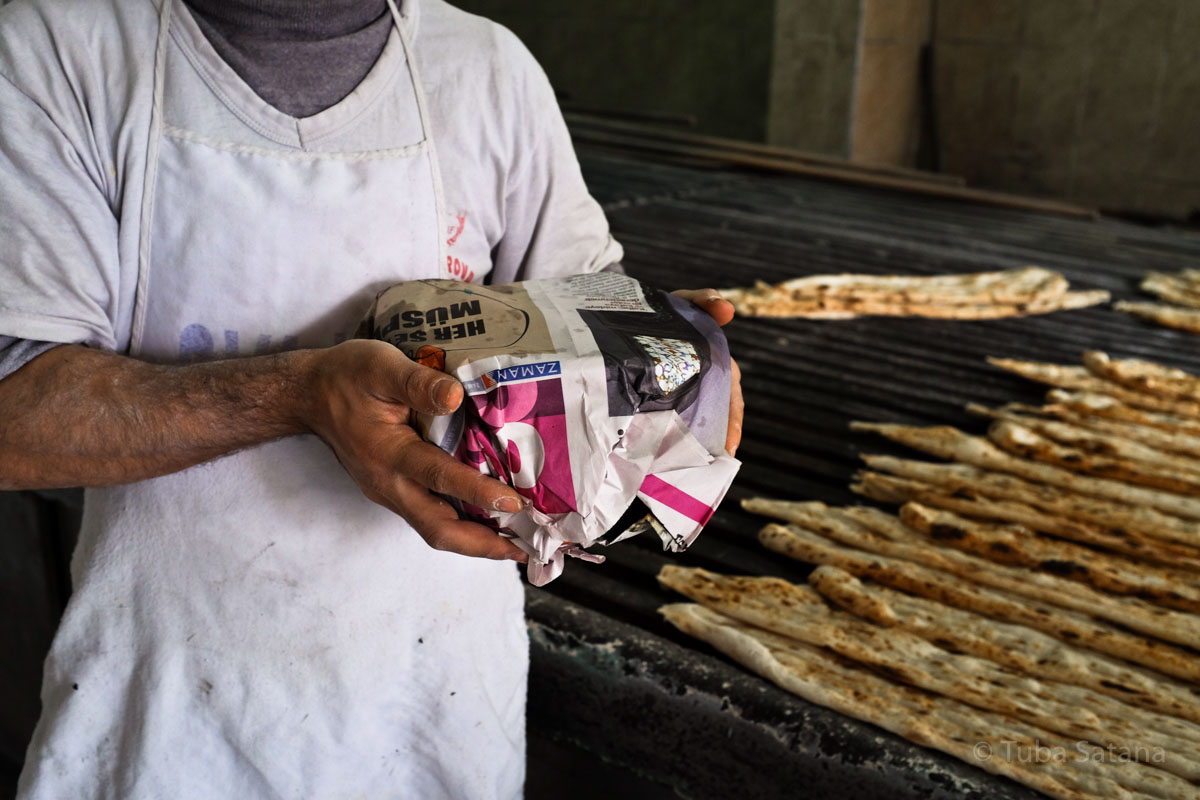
(80, 417)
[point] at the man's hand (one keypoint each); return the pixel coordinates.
(721, 310)
(74, 416)
(364, 393)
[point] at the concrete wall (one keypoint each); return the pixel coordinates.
(707, 60)
(813, 67)
(1096, 100)
(889, 107)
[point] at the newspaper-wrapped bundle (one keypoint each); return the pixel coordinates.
(583, 393)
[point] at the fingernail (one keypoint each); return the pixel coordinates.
(442, 390)
(520, 558)
(508, 504)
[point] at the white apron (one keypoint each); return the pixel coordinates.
(253, 627)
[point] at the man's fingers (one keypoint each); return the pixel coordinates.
(711, 301)
(721, 310)
(428, 390)
(737, 409)
(397, 378)
(434, 469)
(438, 524)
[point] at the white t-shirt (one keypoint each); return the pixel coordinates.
(253, 627)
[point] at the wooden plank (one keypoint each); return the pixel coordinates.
(843, 172)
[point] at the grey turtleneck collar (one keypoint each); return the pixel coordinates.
(300, 56)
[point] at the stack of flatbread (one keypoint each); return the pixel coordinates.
(976, 296)
(1180, 293)
(1032, 608)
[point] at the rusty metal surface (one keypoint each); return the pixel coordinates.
(804, 382)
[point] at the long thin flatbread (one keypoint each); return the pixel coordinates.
(844, 308)
(905, 541)
(1116, 517)
(1186, 319)
(1017, 647)
(847, 526)
(946, 725)
(970, 503)
(904, 657)
(1068, 626)
(1079, 379)
(1002, 293)
(1128, 443)
(1001, 286)
(1163, 475)
(1006, 286)
(1177, 289)
(1099, 405)
(1143, 376)
(1018, 546)
(954, 445)
(1172, 443)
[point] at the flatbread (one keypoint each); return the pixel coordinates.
(1179, 289)
(1186, 319)
(1099, 405)
(906, 658)
(845, 308)
(1102, 437)
(1170, 441)
(1001, 286)
(954, 445)
(984, 295)
(1144, 376)
(1068, 626)
(1116, 517)
(1021, 440)
(1004, 286)
(970, 503)
(878, 532)
(845, 591)
(1079, 379)
(1017, 647)
(946, 725)
(1016, 545)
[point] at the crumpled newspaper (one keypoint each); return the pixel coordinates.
(583, 393)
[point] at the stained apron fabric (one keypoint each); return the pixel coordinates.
(253, 627)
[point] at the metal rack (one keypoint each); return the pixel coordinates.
(608, 674)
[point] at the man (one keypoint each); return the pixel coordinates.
(199, 203)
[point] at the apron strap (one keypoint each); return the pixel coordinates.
(414, 73)
(150, 178)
